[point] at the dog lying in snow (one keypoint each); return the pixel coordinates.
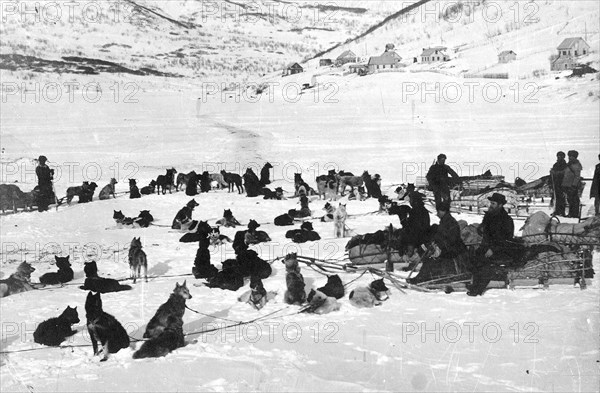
(373, 295)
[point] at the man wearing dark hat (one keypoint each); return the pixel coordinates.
(571, 182)
(497, 229)
(45, 176)
(437, 177)
(595, 190)
(557, 174)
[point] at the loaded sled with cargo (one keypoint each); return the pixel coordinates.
(548, 253)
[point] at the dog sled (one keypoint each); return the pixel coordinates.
(548, 253)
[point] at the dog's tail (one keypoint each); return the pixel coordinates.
(150, 349)
(166, 342)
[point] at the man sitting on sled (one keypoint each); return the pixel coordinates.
(446, 252)
(497, 246)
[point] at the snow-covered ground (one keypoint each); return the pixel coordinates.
(393, 124)
(524, 340)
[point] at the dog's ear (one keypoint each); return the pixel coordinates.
(184, 285)
(56, 258)
(67, 258)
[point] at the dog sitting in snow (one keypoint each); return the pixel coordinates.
(294, 281)
(184, 215)
(373, 295)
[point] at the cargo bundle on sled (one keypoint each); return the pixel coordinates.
(375, 248)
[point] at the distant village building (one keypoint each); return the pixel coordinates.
(388, 59)
(506, 56)
(346, 57)
(573, 47)
(325, 62)
(568, 50)
(293, 69)
(437, 53)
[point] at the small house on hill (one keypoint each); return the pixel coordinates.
(293, 69)
(325, 62)
(346, 57)
(506, 56)
(568, 50)
(388, 59)
(437, 53)
(575, 46)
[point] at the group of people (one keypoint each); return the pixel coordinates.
(445, 252)
(565, 179)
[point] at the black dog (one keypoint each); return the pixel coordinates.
(202, 230)
(334, 287)
(264, 174)
(54, 331)
(230, 277)
(104, 327)
(144, 218)
(184, 215)
(149, 189)
(87, 192)
(251, 264)
(251, 183)
(284, 220)
(100, 284)
(191, 187)
(202, 266)
(304, 234)
(134, 191)
(233, 179)
(205, 181)
(164, 181)
(64, 274)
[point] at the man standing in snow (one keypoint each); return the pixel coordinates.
(556, 178)
(437, 177)
(497, 229)
(45, 176)
(571, 182)
(595, 191)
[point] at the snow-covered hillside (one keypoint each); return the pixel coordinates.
(135, 123)
(475, 32)
(216, 40)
